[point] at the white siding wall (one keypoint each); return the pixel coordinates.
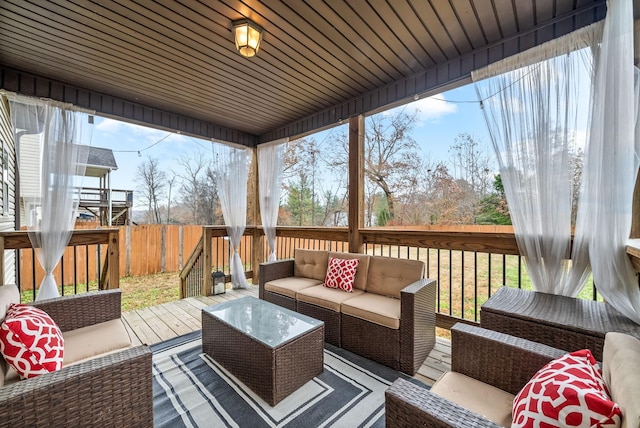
(7, 218)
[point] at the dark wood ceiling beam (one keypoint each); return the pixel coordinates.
(433, 80)
(118, 108)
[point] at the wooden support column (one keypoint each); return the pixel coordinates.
(257, 256)
(356, 183)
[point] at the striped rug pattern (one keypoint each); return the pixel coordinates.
(191, 390)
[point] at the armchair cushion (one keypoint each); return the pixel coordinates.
(621, 372)
(486, 400)
(569, 390)
(88, 342)
(31, 341)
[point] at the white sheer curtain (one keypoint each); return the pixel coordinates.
(232, 166)
(51, 162)
(532, 113)
(270, 167)
(604, 214)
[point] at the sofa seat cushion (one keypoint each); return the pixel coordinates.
(621, 373)
(328, 298)
(93, 340)
(374, 308)
(290, 286)
(481, 398)
(388, 276)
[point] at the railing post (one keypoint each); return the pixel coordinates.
(356, 183)
(207, 262)
(113, 253)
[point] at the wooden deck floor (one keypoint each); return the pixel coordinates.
(157, 323)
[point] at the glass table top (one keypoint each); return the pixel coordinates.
(270, 324)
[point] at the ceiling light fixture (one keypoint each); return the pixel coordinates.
(247, 36)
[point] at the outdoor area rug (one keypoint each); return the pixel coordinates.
(191, 390)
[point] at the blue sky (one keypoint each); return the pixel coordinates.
(440, 122)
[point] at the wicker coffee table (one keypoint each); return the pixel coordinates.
(272, 350)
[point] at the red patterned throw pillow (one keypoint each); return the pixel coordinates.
(567, 392)
(31, 341)
(341, 273)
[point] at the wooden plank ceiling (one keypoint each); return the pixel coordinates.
(173, 64)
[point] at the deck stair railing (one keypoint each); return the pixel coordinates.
(192, 275)
(211, 254)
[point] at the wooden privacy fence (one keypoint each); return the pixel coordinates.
(143, 250)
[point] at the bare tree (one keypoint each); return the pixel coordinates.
(151, 181)
(473, 167)
(391, 153)
(192, 167)
(170, 182)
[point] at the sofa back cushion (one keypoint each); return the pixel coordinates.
(388, 276)
(360, 282)
(310, 263)
(621, 373)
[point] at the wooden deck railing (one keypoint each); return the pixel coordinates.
(468, 265)
(81, 266)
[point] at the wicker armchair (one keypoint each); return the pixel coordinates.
(496, 359)
(109, 390)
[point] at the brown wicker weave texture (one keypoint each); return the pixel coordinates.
(274, 270)
(562, 322)
(503, 361)
(404, 349)
(272, 373)
(81, 310)
(110, 391)
(330, 318)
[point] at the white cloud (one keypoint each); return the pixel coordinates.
(430, 109)
(108, 125)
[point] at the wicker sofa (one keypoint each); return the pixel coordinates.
(104, 381)
(559, 321)
(489, 368)
(389, 317)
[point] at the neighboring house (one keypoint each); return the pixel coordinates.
(97, 199)
(109, 206)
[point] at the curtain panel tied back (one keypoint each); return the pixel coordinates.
(51, 133)
(232, 165)
(270, 168)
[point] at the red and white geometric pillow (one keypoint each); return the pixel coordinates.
(341, 273)
(31, 341)
(567, 392)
